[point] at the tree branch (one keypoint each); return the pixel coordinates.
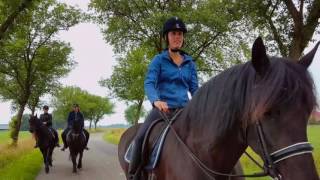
(11, 18)
(311, 22)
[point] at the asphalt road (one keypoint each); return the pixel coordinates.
(100, 162)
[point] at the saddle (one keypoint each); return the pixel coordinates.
(154, 139)
(70, 132)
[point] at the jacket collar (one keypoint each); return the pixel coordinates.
(165, 55)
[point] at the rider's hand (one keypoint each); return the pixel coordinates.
(161, 105)
(44, 122)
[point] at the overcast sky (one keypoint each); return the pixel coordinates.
(95, 60)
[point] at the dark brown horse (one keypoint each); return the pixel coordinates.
(76, 141)
(46, 140)
(264, 104)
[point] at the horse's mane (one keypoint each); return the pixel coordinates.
(238, 95)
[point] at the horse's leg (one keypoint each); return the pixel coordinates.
(46, 151)
(80, 160)
(50, 155)
(43, 155)
(74, 160)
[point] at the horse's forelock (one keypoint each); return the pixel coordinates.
(285, 84)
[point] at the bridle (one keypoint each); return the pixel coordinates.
(270, 159)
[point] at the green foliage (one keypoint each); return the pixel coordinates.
(10, 11)
(32, 59)
(133, 28)
(286, 26)
(127, 25)
(126, 81)
(93, 107)
(13, 125)
(25, 122)
(131, 113)
(64, 99)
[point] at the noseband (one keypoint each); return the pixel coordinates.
(274, 158)
(270, 160)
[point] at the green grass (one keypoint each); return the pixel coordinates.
(26, 167)
(113, 136)
(21, 161)
(5, 136)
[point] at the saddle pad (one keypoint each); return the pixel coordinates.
(155, 153)
(68, 136)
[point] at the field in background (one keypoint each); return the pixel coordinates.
(113, 136)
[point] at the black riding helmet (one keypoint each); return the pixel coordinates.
(45, 107)
(172, 24)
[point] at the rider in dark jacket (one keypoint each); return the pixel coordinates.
(46, 119)
(74, 115)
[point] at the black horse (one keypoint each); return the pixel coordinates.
(46, 139)
(264, 104)
(76, 141)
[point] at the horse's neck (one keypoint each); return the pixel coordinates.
(43, 131)
(219, 153)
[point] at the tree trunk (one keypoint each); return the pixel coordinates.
(95, 124)
(138, 111)
(90, 125)
(16, 129)
(33, 109)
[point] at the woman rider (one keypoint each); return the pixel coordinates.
(171, 75)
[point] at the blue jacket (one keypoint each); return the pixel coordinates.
(169, 82)
(73, 116)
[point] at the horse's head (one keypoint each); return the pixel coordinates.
(33, 123)
(281, 101)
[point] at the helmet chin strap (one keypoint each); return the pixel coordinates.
(175, 50)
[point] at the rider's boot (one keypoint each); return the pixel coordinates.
(134, 170)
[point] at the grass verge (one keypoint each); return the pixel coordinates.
(21, 162)
(113, 135)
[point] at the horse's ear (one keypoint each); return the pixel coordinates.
(306, 60)
(260, 59)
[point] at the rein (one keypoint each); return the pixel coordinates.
(269, 159)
